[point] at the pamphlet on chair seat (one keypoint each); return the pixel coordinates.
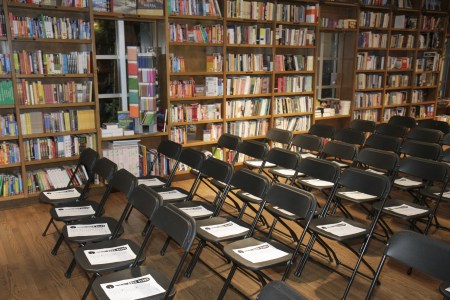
(305, 155)
(109, 255)
(341, 228)
(88, 229)
(171, 195)
(445, 195)
(258, 163)
(284, 211)
(406, 210)
(74, 211)
(357, 195)
(448, 289)
(251, 196)
(340, 164)
(134, 288)
(317, 182)
(151, 182)
(225, 229)
(286, 172)
(407, 182)
(196, 211)
(63, 194)
(260, 253)
(375, 171)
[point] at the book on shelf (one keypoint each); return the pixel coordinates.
(125, 154)
(124, 121)
(124, 6)
(150, 7)
(6, 92)
(101, 5)
(10, 184)
(8, 125)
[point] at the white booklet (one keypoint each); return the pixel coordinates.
(74, 211)
(406, 210)
(251, 196)
(109, 255)
(225, 229)
(341, 228)
(88, 229)
(284, 211)
(407, 182)
(357, 195)
(286, 172)
(305, 155)
(448, 289)
(196, 211)
(134, 288)
(171, 195)
(259, 253)
(63, 194)
(445, 194)
(317, 182)
(375, 171)
(151, 182)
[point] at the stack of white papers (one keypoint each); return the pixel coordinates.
(151, 182)
(407, 182)
(170, 195)
(284, 211)
(62, 194)
(88, 229)
(109, 255)
(448, 289)
(74, 211)
(196, 211)
(258, 163)
(251, 196)
(259, 253)
(134, 288)
(225, 229)
(374, 171)
(357, 195)
(317, 182)
(341, 229)
(286, 172)
(445, 194)
(305, 155)
(406, 210)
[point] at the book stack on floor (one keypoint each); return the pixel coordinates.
(52, 178)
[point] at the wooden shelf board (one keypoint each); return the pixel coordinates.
(14, 197)
(248, 96)
(49, 105)
(53, 160)
(247, 118)
(247, 46)
(292, 114)
(14, 165)
(371, 48)
(369, 90)
(195, 143)
(333, 117)
(114, 16)
(293, 72)
(241, 20)
(7, 106)
(48, 7)
(403, 29)
(368, 107)
(403, 49)
(248, 73)
(384, 7)
(423, 103)
(198, 98)
(190, 44)
(425, 87)
(38, 135)
(196, 122)
(303, 24)
(38, 40)
(40, 76)
(337, 29)
(295, 46)
(396, 105)
(5, 76)
(196, 18)
(8, 138)
(424, 118)
(256, 137)
(3, 38)
(134, 136)
(398, 88)
(399, 70)
(373, 28)
(201, 73)
(370, 71)
(293, 93)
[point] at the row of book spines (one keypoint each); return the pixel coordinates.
(2, 23)
(397, 111)
(6, 92)
(251, 10)
(291, 62)
(287, 105)
(295, 36)
(5, 63)
(300, 123)
(41, 180)
(196, 33)
(248, 128)
(195, 112)
(64, 3)
(32, 93)
(182, 134)
(195, 7)
(422, 111)
(297, 13)
(294, 84)
(150, 166)
(247, 108)
(249, 62)
(47, 27)
(10, 184)
(370, 115)
(9, 153)
(52, 63)
(8, 125)
(373, 19)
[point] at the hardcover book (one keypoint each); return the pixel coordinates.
(150, 7)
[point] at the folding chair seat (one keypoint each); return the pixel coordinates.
(435, 124)
(383, 142)
(322, 130)
(420, 149)
(307, 145)
(419, 252)
(93, 258)
(425, 135)
(363, 125)
(408, 122)
(342, 153)
(56, 197)
(421, 174)
(259, 253)
(286, 164)
(391, 130)
(252, 188)
(279, 290)
(150, 282)
(350, 136)
(346, 231)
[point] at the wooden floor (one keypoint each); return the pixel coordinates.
(29, 271)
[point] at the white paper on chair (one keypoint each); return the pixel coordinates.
(407, 182)
(317, 182)
(258, 163)
(305, 155)
(284, 211)
(225, 229)
(134, 288)
(444, 195)
(251, 196)
(341, 164)
(109, 255)
(63, 194)
(375, 171)
(259, 253)
(171, 195)
(448, 289)
(341, 228)
(74, 211)
(196, 211)
(406, 210)
(286, 172)
(151, 182)
(88, 229)
(357, 195)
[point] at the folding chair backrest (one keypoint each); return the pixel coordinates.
(362, 125)
(278, 290)
(319, 169)
(425, 135)
(230, 142)
(446, 140)
(408, 122)
(88, 158)
(105, 168)
(391, 130)
(145, 200)
(192, 158)
(217, 169)
(421, 252)
(254, 149)
(435, 124)
(383, 142)
(250, 182)
(421, 149)
(322, 130)
(426, 169)
(281, 136)
(379, 159)
(125, 182)
(170, 149)
(307, 142)
(339, 150)
(445, 156)
(283, 158)
(350, 136)
(365, 182)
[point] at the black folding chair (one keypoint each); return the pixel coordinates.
(363, 125)
(254, 153)
(347, 231)
(322, 130)
(279, 290)
(420, 149)
(350, 136)
(341, 153)
(179, 227)
(391, 130)
(435, 124)
(408, 122)
(425, 135)
(417, 251)
(286, 164)
(89, 257)
(248, 254)
(87, 160)
(383, 142)
(307, 145)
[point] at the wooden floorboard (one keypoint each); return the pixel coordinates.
(29, 271)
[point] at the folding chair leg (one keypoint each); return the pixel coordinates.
(305, 256)
(375, 279)
(227, 282)
(129, 213)
(355, 270)
(70, 269)
(164, 248)
(48, 226)
(57, 244)
(146, 228)
(88, 288)
(194, 259)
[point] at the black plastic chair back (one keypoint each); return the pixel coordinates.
(278, 290)
(307, 142)
(365, 182)
(379, 159)
(322, 130)
(425, 169)
(350, 136)
(145, 200)
(283, 158)
(425, 135)
(408, 122)
(339, 150)
(192, 158)
(383, 142)
(125, 182)
(278, 135)
(446, 156)
(170, 149)
(88, 158)
(421, 149)
(435, 124)
(446, 140)
(254, 149)
(217, 169)
(230, 142)
(391, 130)
(105, 168)
(362, 125)
(319, 169)
(250, 182)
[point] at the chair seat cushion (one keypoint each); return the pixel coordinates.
(403, 209)
(338, 228)
(111, 223)
(43, 198)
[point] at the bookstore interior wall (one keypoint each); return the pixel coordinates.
(121, 77)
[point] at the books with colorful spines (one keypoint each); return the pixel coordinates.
(124, 120)
(150, 7)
